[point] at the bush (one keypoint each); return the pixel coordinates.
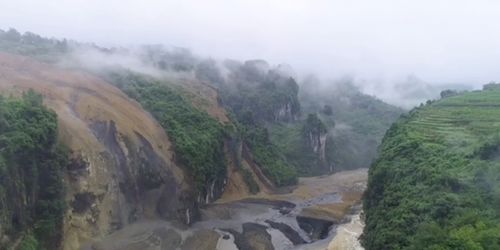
(31, 171)
(250, 181)
(198, 139)
(29, 243)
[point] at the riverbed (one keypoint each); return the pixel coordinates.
(320, 213)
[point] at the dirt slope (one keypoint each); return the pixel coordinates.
(113, 139)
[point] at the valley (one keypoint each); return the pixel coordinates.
(249, 125)
(188, 153)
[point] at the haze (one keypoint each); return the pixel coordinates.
(377, 43)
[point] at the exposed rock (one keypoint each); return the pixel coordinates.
(276, 204)
(316, 228)
(285, 210)
(288, 231)
(83, 202)
(316, 134)
(254, 237)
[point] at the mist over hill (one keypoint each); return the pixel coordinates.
(232, 128)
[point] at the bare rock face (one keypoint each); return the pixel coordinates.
(316, 136)
(122, 168)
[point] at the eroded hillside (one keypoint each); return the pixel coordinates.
(112, 140)
(124, 167)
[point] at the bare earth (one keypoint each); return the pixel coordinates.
(330, 197)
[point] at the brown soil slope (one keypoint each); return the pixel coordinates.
(113, 139)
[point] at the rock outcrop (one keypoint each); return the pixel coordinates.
(316, 134)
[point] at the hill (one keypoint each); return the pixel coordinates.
(436, 183)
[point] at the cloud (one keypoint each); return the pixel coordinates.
(379, 42)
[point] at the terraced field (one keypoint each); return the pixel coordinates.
(436, 183)
(460, 122)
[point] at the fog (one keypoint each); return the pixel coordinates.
(401, 51)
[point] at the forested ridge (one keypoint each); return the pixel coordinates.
(436, 183)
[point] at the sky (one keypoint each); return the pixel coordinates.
(378, 42)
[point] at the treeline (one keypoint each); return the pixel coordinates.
(30, 44)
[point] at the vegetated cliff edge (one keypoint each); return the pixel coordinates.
(436, 183)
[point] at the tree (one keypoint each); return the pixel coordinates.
(12, 35)
(327, 110)
(447, 93)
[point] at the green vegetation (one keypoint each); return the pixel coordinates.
(313, 125)
(266, 96)
(491, 86)
(436, 183)
(357, 121)
(250, 181)
(30, 44)
(258, 97)
(198, 138)
(29, 243)
(267, 155)
(31, 172)
(294, 141)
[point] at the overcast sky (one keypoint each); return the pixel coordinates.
(437, 41)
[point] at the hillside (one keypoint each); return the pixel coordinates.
(435, 184)
(267, 101)
(125, 165)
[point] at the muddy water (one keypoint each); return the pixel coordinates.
(327, 204)
(347, 235)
